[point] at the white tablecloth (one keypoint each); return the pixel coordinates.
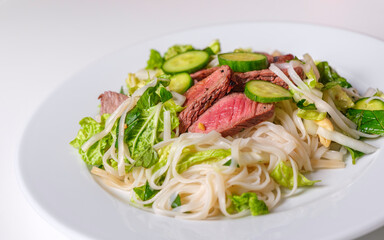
(42, 43)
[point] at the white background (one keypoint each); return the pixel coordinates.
(42, 43)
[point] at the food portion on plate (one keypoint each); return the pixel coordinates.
(201, 134)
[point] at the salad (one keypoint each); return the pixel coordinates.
(201, 134)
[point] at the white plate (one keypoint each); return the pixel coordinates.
(347, 203)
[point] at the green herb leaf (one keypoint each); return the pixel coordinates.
(177, 202)
(354, 154)
(164, 79)
(303, 104)
(371, 122)
(145, 192)
(149, 98)
(155, 60)
(229, 162)
(329, 77)
(164, 94)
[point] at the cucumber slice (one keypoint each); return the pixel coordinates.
(188, 62)
(180, 83)
(265, 92)
(243, 61)
(374, 104)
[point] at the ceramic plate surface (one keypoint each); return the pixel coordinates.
(346, 204)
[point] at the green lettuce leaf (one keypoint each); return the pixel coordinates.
(340, 98)
(245, 50)
(213, 48)
(371, 122)
(311, 80)
(174, 110)
(145, 123)
(379, 94)
(155, 60)
(163, 157)
(283, 175)
(329, 77)
(192, 157)
(246, 201)
(311, 114)
(177, 49)
(145, 192)
(89, 127)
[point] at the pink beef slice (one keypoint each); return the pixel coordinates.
(266, 75)
(204, 94)
(110, 101)
(200, 75)
(278, 59)
(232, 114)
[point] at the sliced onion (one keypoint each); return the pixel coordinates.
(352, 92)
(370, 92)
(214, 62)
(282, 66)
(144, 74)
(167, 125)
(141, 90)
(346, 141)
(308, 60)
(178, 98)
(375, 97)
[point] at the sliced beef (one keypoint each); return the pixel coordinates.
(232, 114)
(266, 75)
(200, 75)
(110, 101)
(279, 59)
(204, 94)
(282, 58)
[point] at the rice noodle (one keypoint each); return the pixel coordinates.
(205, 189)
(127, 105)
(255, 152)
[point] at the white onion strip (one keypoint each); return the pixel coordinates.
(320, 104)
(167, 125)
(346, 141)
(178, 98)
(127, 104)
